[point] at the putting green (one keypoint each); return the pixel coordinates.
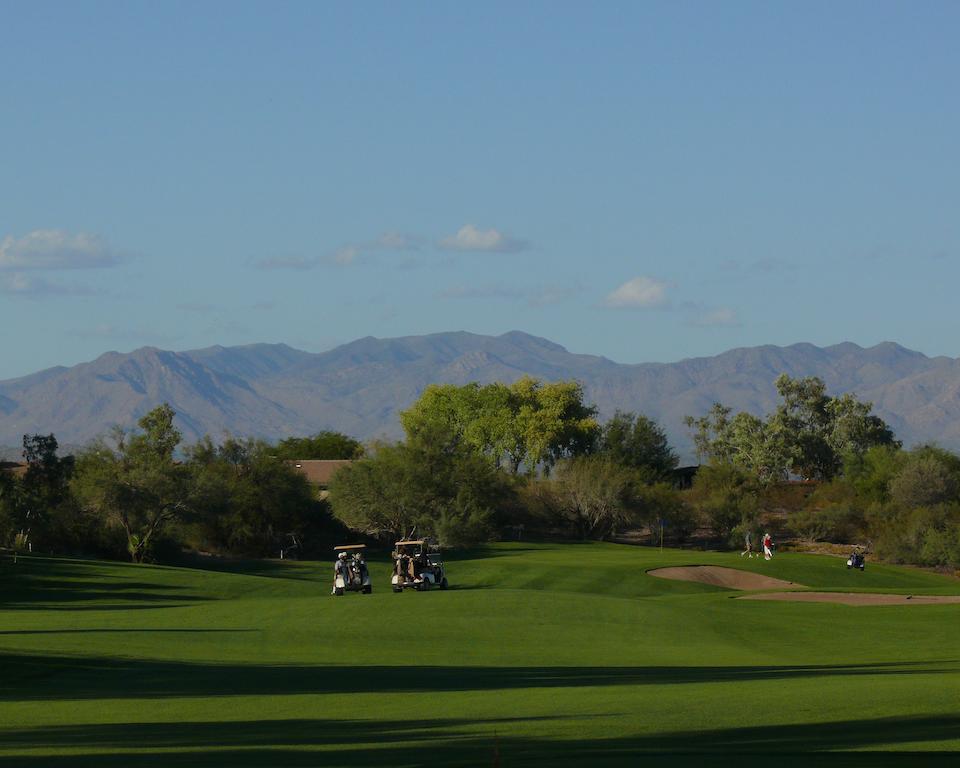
(539, 655)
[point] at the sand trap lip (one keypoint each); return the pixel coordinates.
(719, 576)
(854, 598)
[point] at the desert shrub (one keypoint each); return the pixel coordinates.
(837, 523)
(921, 535)
(662, 502)
(725, 497)
(928, 477)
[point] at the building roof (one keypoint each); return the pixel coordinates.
(318, 471)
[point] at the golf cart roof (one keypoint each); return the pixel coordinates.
(417, 541)
(350, 546)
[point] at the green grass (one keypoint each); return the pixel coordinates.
(540, 654)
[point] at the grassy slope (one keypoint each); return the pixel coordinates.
(548, 654)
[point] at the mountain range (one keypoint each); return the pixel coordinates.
(274, 391)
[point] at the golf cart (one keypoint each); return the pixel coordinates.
(350, 572)
(417, 564)
(857, 559)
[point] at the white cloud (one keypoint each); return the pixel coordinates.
(469, 238)
(715, 318)
(640, 292)
(55, 249)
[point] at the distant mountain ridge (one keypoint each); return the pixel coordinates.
(274, 391)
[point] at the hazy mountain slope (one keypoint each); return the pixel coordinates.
(273, 390)
(82, 402)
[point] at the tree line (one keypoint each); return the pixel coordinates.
(141, 495)
(480, 462)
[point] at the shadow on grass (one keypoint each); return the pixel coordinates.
(430, 741)
(46, 677)
(41, 583)
(150, 630)
(65, 585)
(274, 569)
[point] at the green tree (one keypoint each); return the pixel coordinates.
(136, 483)
(248, 501)
(638, 442)
(759, 447)
(726, 496)
(869, 473)
(431, 482)
(711, 434)
(7, 507)
(38, 497)
(323, 445)
(528, 424)
(929, 476)
(596, 495)
(809, 434)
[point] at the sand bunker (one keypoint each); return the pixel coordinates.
(853, 598)
(730, 578)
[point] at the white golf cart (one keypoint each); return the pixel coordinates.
(350, 572)
(417, 564)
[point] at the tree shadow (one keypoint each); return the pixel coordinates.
(91, 677)
(146, 630)
(432, 741)
(41, 583)
(297, 570)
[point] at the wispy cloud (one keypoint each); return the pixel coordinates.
(127, 335)
(199, 308)
(54, 249)
(718, 317)
(766, 266)
(397, 241)
(345, 255)
(639, 293)
(533, 296)
(19, 284)
(488, 291)
(470, 238)
(296, 263)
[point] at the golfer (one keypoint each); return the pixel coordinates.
(749, 546)
(767, 546)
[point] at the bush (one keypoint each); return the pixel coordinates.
(836, 523)
(662, 502)
(923, 536)
(726, 497)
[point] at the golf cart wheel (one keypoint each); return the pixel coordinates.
(338, 591)
(368, 589)
(443, 584)
(398, 589)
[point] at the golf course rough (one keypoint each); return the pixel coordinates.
(538, 655)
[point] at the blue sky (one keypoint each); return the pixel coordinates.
(646, 181)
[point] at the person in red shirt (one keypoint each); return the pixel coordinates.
(767, 546)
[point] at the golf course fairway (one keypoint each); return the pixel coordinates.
(539, 654)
